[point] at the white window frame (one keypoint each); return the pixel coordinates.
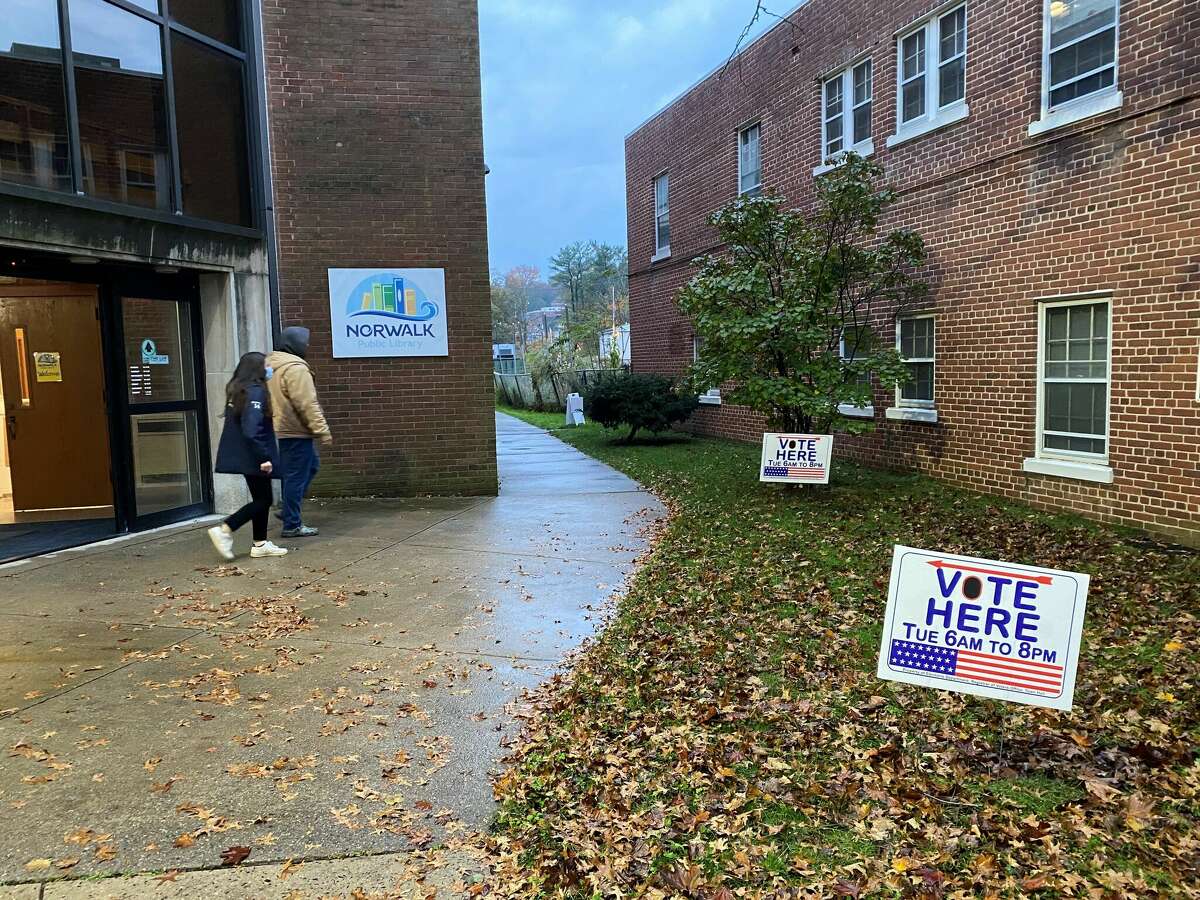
(661, 251)
(1080, 108)
(864, 147)
(916, 410)
(1041, 451)
(936, 116)
(711, 397)
(754, 128)
(849, 410)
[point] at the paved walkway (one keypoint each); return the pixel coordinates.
(341, 708)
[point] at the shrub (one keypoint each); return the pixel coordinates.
(639, 403)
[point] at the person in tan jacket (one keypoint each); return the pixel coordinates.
(299, 425)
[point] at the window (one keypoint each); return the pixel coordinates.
(915, 340)
(846, 112)
(211, 112)
(662, 216)
(112, 138)
(932, 86)
(1079, 61)
(1074, 379)
(856, 346)
(711, 397)
(33, 108)
(749, 161)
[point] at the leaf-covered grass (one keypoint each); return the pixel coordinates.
(726, 736)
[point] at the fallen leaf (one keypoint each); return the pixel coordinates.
(233, 856)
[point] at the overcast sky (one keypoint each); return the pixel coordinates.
(563, 82)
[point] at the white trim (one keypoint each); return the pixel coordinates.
(1105, 99)
(909, 414)
(1078, 295)
(850, 411)
(755, 126)
(783, 21)
(916, 404)
(1076, 111)
(1092, 460)
(661, 251)
(935, 116)
(865, 147)
(917, 127)
(1061, 468)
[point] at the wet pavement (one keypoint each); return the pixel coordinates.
(341, 708)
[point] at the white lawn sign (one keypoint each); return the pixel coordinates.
(994, 629)
(796, 458)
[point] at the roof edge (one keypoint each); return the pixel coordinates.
(782, 21)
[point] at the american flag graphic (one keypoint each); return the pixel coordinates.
(792, 472)
(1043, 678)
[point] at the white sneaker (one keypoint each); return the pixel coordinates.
(258, 551)
(222, 539)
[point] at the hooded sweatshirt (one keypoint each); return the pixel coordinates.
(297, 411)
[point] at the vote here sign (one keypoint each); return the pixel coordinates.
(796, 458)
(980, 627)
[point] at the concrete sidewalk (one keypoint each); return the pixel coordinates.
(341, 707)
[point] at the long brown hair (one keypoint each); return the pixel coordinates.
(251, 370)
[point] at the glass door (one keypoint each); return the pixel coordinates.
(167, 463)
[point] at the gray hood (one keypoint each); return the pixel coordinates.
(295, 341)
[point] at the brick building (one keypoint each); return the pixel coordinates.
(179, 179)
(1049, 153)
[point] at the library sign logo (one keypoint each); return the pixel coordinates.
(388, 312)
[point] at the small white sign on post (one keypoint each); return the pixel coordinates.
(574, 409)
(1009, 632)
(796, 458)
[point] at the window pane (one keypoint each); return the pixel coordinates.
(952, 82)
(216, 18)
(833, 97)
(33, 118)
(122, 105)
(211, 116)
(921, 387)
(914, 99)
(833, 129)
(1098, 81)
(166, 461)
(151, 5)
(913, 52)
(1073, 61)
(862, 123)
(953, 31)
(1072, 19)
(158, 351)
(862, 82)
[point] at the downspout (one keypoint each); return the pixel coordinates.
(266, 189)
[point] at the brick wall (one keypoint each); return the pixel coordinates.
(1106, 204)
(377, 157)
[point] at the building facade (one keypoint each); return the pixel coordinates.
(178, 178)
(1048, 151)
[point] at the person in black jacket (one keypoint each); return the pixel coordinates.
(248, 448)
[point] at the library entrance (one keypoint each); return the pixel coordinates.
(101, 398)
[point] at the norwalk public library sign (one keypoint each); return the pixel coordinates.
(993, 629)
(388, 312)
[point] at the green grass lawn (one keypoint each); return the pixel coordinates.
(727, 736)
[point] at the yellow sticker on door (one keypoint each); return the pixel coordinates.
(48, 366)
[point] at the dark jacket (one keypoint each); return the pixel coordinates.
(248, 439)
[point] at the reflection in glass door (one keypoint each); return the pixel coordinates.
(168, 474)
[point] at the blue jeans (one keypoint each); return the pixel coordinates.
(301, 462)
